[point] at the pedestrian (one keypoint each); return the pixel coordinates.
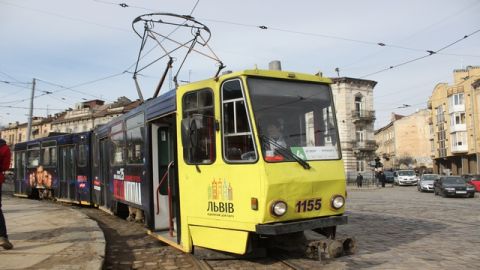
(382, 179)
(359, 180)
(5, 156)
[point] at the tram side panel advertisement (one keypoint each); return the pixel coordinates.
(127, 186)
(42, 178)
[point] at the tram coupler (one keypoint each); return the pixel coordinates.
(330, 248)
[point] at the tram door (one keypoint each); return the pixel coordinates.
(164, 178)
(104, 175)
(67, 173)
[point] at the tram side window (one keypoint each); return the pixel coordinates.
(198, 108)
(33, 156)
(49, 153)
(135, 138)
(82, 155)
(118, 144)
(237, 134)
(20, 165)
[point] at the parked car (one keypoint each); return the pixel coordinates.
(426, 182)
(389, 177)
(405, 177)
(473, 180)
(453, 186)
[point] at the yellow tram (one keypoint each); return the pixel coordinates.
(258, 157)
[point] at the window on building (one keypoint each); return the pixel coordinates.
(456, 99)
(459, 139)
(440, 118)
(358, 105)
(360, 165)
(457, 118)
(360, 134)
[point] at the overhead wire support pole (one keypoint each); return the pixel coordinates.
(144, 41)
(200, 36)
(30, 114)
(160, 83)
(185, 58)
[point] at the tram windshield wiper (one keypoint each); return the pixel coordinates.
(285, 152)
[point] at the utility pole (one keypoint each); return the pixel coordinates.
(30, 115)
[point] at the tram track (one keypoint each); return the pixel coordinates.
(129, 247)
(200, 264)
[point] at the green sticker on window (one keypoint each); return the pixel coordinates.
(299, 152)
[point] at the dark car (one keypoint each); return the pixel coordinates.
(473, 180)
(388, 177)
(453, 186)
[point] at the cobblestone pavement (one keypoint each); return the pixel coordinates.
(396, 228)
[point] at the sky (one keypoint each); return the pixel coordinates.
(80, 50)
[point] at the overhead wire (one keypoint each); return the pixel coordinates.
(430, 53)
(9, 76)
(65, 17)
(19, 107)
(265, 27)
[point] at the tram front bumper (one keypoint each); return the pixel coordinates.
(299, 226)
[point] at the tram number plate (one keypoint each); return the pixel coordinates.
(308, 205)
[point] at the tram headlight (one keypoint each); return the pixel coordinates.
(337, 202)
(279, 208)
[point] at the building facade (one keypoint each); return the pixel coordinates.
(355, 116)
(85, 116)
(405, 142)
(456, 124)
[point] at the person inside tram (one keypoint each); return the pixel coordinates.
(275, 136)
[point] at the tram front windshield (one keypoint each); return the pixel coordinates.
(295, 120)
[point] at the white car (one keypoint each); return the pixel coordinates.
(405, 178)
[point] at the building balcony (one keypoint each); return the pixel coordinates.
(456, 108)
(363, 115)
(458, 127)
(364, 145)
(458, 149)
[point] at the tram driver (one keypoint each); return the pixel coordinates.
(274, 141)
(275, 136)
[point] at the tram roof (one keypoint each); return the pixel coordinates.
(276, 74)
(60, 139)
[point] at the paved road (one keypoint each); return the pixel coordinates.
(396, 228)
(401, 228)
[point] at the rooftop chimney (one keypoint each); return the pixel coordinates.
(275, 65)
